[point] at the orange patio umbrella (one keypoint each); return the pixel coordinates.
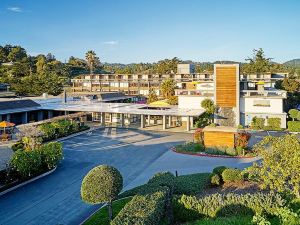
(5, 124)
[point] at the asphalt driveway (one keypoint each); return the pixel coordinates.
(55, 199)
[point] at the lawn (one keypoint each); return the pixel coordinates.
(101, 216)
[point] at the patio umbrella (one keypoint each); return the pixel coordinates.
(5, 124)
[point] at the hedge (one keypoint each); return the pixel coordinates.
(188, 208)
(258, 123)
(294, 126)
(186, 184)
(273, 124)
(144, 209)
(232, 175)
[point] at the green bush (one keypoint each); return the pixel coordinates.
(274, 124)
(240, 151)
(163, 179)
(186, 184)
(18, 146)
(294, 126)
(219, 170)
(258, 123)
(215, 179)
(144, 209)
(240, 126)
(27, 164)
(101, 184)
(190, 147)
(221, 150)
(51, 153)
(232, 175)
(228, 205)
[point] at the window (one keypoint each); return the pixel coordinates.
(261, 103)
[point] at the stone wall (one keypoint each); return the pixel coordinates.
(225, 117)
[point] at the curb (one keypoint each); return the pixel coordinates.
(27, 182)
(212, 156)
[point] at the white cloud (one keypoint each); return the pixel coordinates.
(14, 9)
(111, 42)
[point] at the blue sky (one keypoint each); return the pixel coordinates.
(148, 30)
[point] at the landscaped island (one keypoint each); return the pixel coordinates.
(266, 193)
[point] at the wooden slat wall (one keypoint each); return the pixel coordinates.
(213, 138)
(226, 86)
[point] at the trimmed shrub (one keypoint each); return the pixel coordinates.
(148, 209)
(215, 179)
(258, 123)
(186, 184)
(101, 184)
(219, 170)
(274, 123)
(27, 164)
(231, 151)
(230, 204)
(232, 175)
(51, 154)
(163, 179)
(190, 147)
(294, 126)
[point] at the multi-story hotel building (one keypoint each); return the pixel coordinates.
(239, 97)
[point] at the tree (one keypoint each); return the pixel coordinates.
(290, 84)
(40, 64)
(279, 169)
(152, 97)
(208, 105)
(258, 64)
(16, 53)
(168, 88)
(102, 184)
(173, 100)
(294, 113)
(92, 60)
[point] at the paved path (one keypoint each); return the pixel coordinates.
(55, 199)
(5, 155)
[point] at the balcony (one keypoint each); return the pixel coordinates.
(265, 93)
(192, 92)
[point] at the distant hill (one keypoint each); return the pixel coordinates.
(293, 63)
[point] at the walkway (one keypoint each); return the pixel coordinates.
(138, 154)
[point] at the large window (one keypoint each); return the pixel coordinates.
(261, 103)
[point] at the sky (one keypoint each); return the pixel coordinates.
(133, 31)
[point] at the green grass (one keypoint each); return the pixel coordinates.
(101, 216)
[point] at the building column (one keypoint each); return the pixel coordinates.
(0, 117)
(170, 121)
(142, 121)
(24, 117)
(110, 117)
(50, 114)
(8, 117)
(122, 120)
(188, 124)
(192, 121)
(40, 115)
(149, 120)
(164, 123)
(102, 119)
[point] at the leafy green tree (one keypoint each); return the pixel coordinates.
(152, 97)
(102, 184)
(294, 113)
(208, 105)
(258, 64)
(168, 88)
(40, 64)
(92, 60)
(279, 169)
(16, 53)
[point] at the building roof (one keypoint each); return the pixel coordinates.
(15, 106)
(126, 108)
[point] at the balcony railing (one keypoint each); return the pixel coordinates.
(194, 92)
(265, 93)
